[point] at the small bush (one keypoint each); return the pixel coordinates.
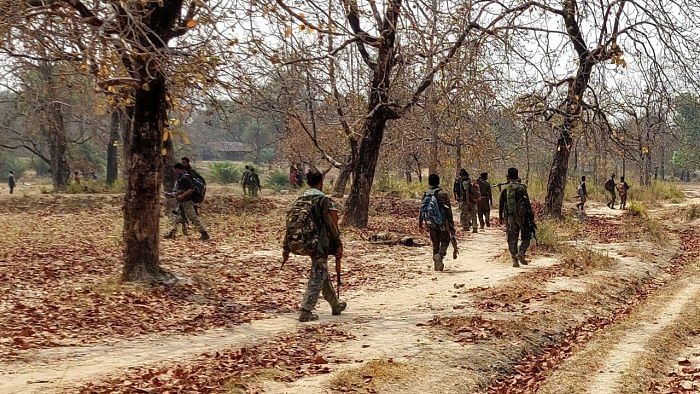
(547, 235)
(278, 180)
(388, 183)
(224, 172)
(638, 209)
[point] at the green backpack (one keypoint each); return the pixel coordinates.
(516, 203)
(302, 229)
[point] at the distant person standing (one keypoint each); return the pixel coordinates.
(11, 182)
(76, 177)
(293, 176)
(486, 202)
(622, 188)
(245, 179)
(610, 188)
(582, 193)
(253, 183)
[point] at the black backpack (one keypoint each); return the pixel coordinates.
(458, 190)
(200, 188)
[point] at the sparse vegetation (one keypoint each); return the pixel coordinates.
(224, 172)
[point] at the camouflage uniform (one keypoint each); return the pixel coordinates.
(484, 204)
(328, 244)
(517, 220)
(186, 211)
(253, 184)
(467, 206)
(440, 236)
(244, 181)
(610, 188)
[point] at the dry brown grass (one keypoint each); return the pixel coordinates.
(372, 376)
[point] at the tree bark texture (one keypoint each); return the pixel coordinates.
(144, 147)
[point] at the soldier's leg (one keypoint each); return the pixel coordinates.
(192, 216)
(319, 274)
(481, 214)
(487, 213)
(330, 295)
(435, 240)
(175, 220)
(444, 243)
(525, 237)
(513, 231)
(464, 215)
(472, 214)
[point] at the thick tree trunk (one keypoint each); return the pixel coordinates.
(58, 148)
(114, 135)
(557, 176)
(358, 202)
(142, 198)
(343, 179)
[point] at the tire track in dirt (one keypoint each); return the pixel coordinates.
(634, 343)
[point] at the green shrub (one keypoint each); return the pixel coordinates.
(547, 235)
(388, 183)
(10, 163)
(224, 172)
(638, 209)
(278, 180)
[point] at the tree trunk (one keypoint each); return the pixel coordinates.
(663, 163)
(343, 178)
(142, 198)
(358, 203)
(114, 135)
(58, 147)
(557, 176)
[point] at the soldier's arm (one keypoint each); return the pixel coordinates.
(329, 222)
(502, 204)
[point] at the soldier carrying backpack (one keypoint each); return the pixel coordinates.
(514, 208)
(312, 230)
(186, 193)
(436, 214)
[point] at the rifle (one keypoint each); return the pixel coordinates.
(338, 254)
(455, 250)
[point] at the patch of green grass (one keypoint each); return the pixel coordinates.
(224, 172)
(548, 237)
(637, 209)
(390, 184)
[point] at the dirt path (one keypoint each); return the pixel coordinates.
(386, 324)
(635, 343)
(388, 318)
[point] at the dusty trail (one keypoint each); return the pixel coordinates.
(384, 322)
(389, 316)
(634, 344)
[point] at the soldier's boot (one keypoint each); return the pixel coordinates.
(515, 262)
(437, 262)
(184, 231)
(205, 236)
(521, 258)
(475, 231)
(340, 307)
(481, 227)
(169, 235)
(307, 316)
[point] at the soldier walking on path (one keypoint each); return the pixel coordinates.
(245, 180)
(468, 196)
(436, 214)
(514, 208)
(312, 230)
(486, 201)
(253, 183)
(622, 188)
(184, 193)
(582, 193)
(11, 182)
(610, 188)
